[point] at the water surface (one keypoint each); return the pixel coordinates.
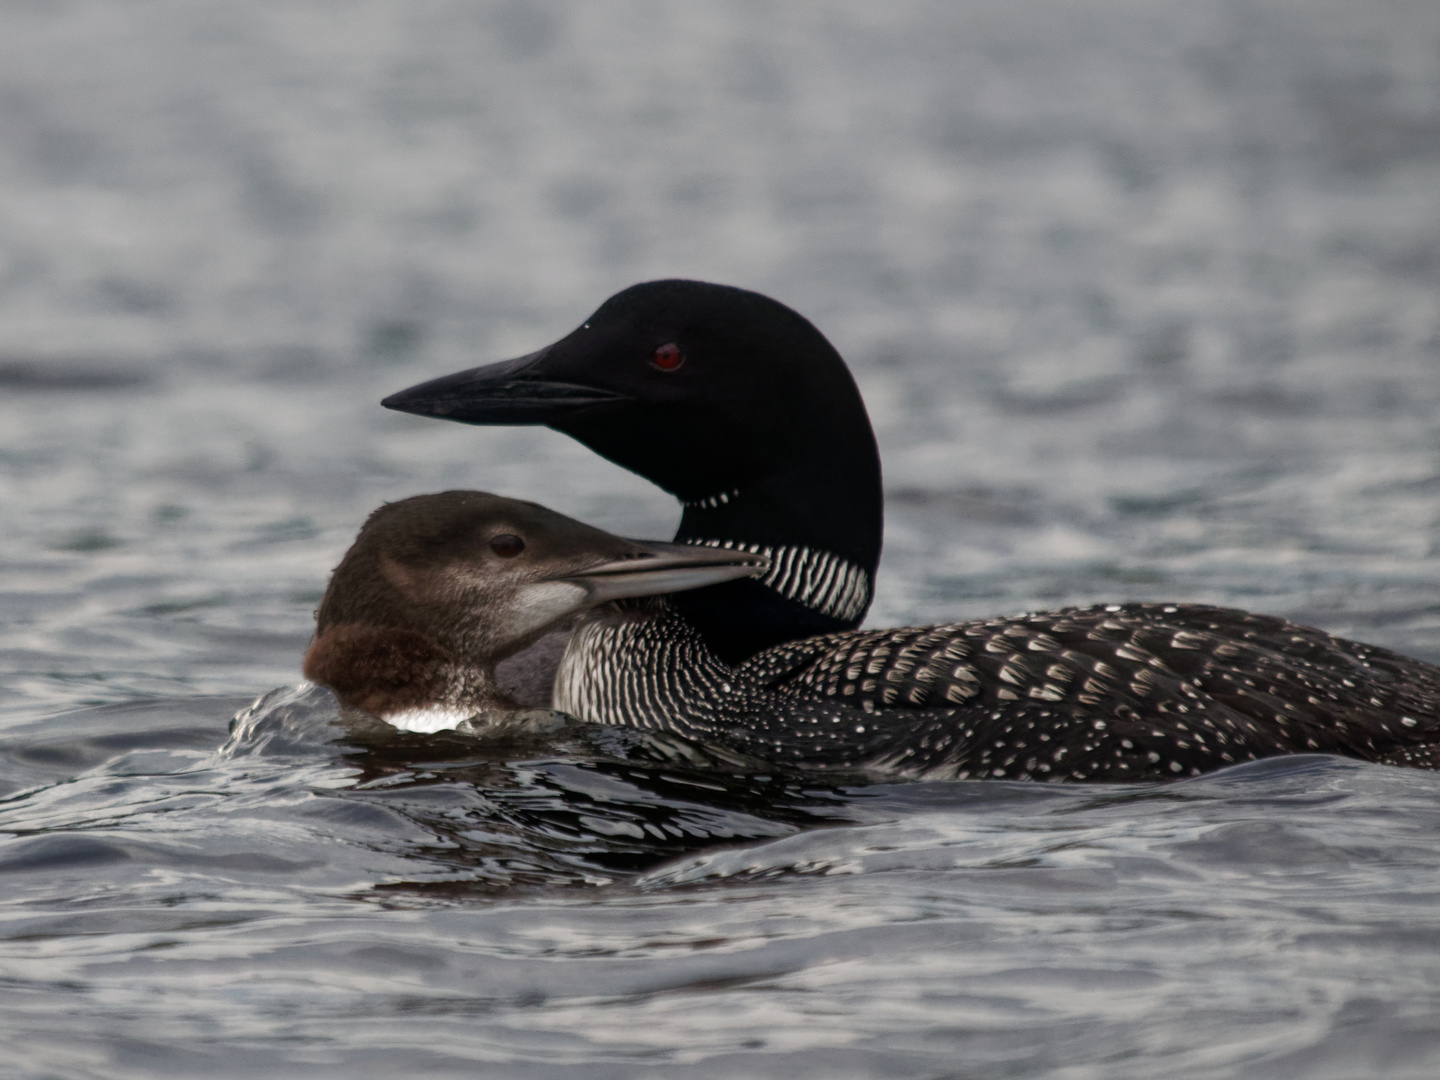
(1142, 297)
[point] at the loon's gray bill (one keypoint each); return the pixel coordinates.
(667, 568)
(504, 393)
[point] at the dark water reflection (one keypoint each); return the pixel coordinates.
(1142, 300)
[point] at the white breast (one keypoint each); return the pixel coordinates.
(431, 718)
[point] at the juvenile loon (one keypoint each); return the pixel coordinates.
(436, 588)
(740, 408)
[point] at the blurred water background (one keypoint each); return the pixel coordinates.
(1144, 299)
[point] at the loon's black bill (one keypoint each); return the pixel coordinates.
(510, 392)
(667, 568)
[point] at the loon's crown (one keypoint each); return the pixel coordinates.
(702, 388)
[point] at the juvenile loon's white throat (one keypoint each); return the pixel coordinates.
(426, 720)
(818, 579)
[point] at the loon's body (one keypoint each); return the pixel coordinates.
(1114, 693)
(740, 407)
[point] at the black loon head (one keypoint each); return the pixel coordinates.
(739, 407)
(437, 588)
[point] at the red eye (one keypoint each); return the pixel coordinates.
(668, 357)
(507, 545)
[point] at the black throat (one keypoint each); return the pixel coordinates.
(820, 523)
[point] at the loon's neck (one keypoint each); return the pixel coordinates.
(395, 673)
(820, 523)
(653, 671)
(658, 673)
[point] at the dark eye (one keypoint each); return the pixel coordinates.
(668, 357)
(506, 545)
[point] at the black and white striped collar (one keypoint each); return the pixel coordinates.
(818, 579)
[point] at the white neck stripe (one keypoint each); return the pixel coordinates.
(818, 579)
(712, 501)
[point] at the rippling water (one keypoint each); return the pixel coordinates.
(1143, 298)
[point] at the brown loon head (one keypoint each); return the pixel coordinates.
(438, 588)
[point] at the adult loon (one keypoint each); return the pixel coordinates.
(740, 408)
(437, 588)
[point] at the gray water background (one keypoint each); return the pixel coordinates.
(1144, 299)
